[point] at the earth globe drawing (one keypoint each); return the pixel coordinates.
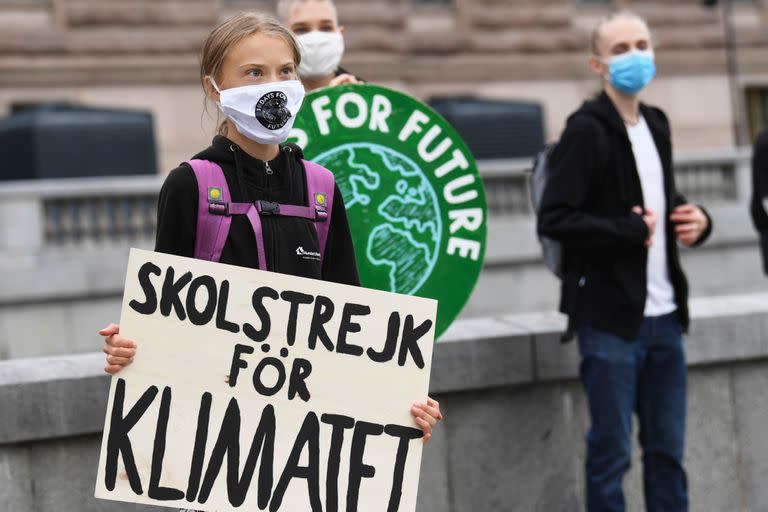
(401, 213)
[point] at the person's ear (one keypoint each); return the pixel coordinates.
(341, 29)
(597, 66)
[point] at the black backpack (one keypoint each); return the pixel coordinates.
(552, 250)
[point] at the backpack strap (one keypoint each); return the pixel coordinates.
(214, 213)
(320, 188)
(215, 209)
(286, 210)
(213, 194)
(255, 220)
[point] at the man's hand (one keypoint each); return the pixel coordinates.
(650, 220)
(690, 222)
(343, 79)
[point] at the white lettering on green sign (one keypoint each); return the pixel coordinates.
(415, 200)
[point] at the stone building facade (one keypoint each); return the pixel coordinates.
(144, 54)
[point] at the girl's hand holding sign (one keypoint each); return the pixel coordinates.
(121, 351)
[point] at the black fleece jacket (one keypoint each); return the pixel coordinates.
(587, 207)
(760, 192)
(248, 181)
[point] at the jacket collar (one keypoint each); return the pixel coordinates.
(609, 113)
(606, 110)
(603, 110)
(657, 124)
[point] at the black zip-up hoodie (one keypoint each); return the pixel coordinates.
(287, 240)
(760, 193)
(587, 207)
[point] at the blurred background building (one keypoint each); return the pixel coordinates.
(143, 54)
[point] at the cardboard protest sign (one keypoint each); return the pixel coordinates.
(254, 391)
(414, 197)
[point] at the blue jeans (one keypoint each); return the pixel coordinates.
(646, 376)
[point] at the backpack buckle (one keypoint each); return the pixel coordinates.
(268, 207)
(321, 209)
(218, 208)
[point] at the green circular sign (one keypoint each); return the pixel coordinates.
(414, 198)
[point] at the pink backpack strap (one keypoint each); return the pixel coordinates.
(212, 230)
(215, 209)
(214, 213)
(320, 188)
(255, 219)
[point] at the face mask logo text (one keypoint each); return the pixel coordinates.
(271, 111)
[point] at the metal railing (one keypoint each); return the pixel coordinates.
(78, 211)
(99, 219)
(506, 185)
(94, 211)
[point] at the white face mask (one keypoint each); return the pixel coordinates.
(264, 112)
(321, 53)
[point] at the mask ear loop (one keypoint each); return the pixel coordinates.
(216, 87)
(213, 83)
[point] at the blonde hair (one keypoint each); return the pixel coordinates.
(594, 40)
(284, 8)
(230, 32)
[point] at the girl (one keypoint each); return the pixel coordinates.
(249, 68)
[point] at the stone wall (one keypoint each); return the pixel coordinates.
(387, 40)
(143, 54)
(513, 439)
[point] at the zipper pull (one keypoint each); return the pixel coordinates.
(269, 169)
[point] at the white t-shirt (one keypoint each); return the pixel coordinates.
(661, 294)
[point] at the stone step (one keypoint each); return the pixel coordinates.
(705, 36)
(679, 13)
(484, 4)
(528, 41)
(377, 39)
(18, 43)
(385, 15)
(510, 16)
(84, 13)
(138, 40)
(437, 43)
(106, 41)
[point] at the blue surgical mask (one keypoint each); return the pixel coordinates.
(631, 72)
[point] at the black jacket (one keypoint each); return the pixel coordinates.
(760, 192)
(341, 71)
(587, 207)
(248, 181)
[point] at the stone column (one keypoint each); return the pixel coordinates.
(21, 224)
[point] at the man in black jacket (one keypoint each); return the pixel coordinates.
(760, 193)
(611, 202)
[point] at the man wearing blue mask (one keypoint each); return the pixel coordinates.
(611, 202)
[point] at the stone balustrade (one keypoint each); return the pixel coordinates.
(100, 211)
